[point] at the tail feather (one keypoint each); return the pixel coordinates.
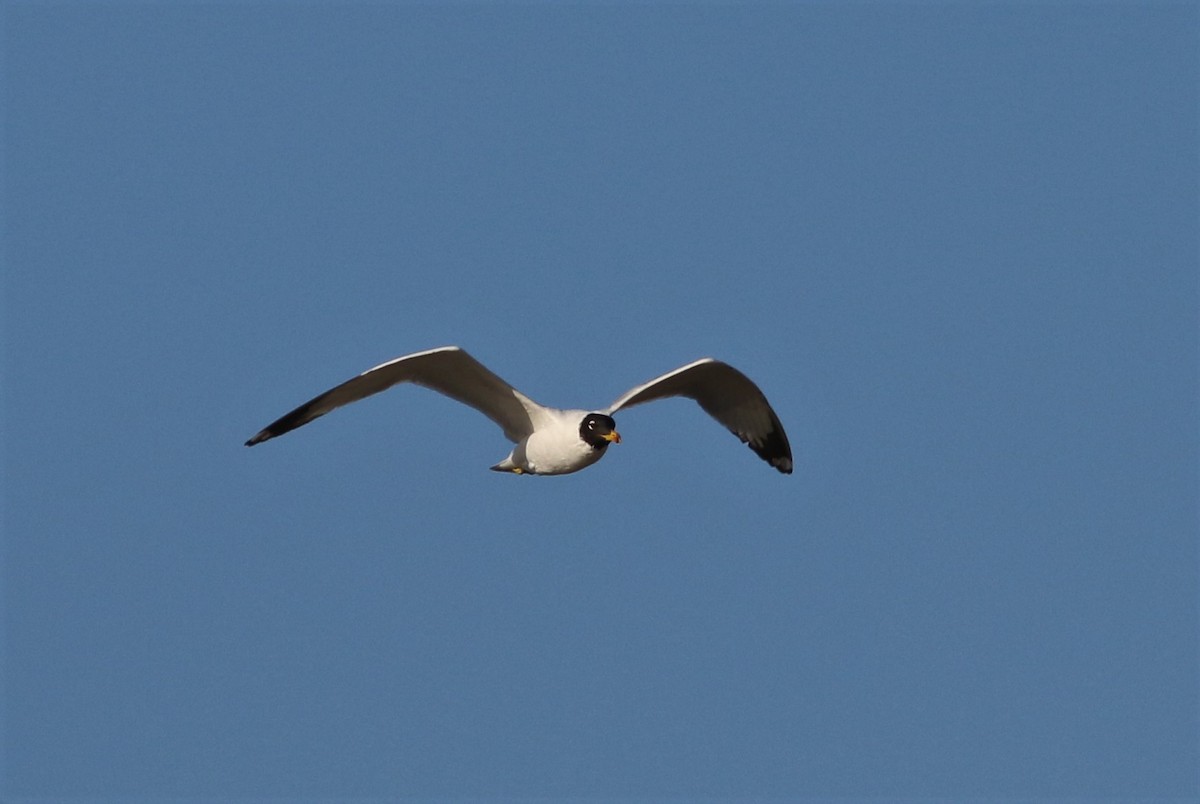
(507, 465)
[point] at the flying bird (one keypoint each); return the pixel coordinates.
(551, 441)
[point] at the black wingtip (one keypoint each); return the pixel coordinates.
(258, 438)
(774, 449)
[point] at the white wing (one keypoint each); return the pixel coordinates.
(730, 397)
(448, 370)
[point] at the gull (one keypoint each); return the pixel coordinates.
(550, 441)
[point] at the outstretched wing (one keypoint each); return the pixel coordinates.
(448, 370)
(730, 397)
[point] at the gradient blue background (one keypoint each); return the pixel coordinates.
(955, 244)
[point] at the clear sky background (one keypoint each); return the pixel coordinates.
(956, 245)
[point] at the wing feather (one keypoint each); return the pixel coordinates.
(730, 397)
(447, 370)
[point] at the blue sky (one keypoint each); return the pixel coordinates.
(956, 245)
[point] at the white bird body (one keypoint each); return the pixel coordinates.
(555, 448)
(550, 441)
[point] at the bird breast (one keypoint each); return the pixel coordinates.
(558, 449)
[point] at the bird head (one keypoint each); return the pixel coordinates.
(599, 430)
